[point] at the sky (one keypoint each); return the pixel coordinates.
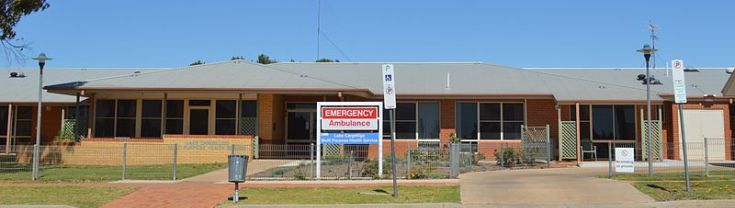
(522, 33)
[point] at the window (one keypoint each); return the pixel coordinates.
(467, 121)
(429, 114)
(104, 124)
(414, 119)
(174, 117)
(151, 119)
(200, 103)
(495, 121)
(225, 117)
(3, 121)
(125, 120)
(613, 122)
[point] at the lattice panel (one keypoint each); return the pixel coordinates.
(568, 140)
(331, 150)
(534, 135)
(248, 125)
(67, 129)
(657, 148)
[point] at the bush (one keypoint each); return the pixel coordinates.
(371, 168)
(507, 157)
(477, 157)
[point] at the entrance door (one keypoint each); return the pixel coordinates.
(199, 121)
(301, 127)
(700, 124)
(301, 123)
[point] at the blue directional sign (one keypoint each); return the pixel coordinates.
(350, 138)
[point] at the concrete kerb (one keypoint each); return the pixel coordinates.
(348, 183)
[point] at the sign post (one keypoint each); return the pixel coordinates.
(389, 98)
(680, 97)
(349, 123)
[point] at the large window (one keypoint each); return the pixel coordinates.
(3, 121)
(151, 119)
(414, 120)
(429, 114)
(115, 118)
(467, 121)
(495, 121)
(249, 115)
(225, 117)
(174, 117)
(104, 124)
(607, 122)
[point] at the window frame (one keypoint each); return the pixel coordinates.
(159, 118)
(234, 117)
(502, 120)
(415, 121)
(614, 121)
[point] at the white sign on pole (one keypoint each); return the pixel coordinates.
(680, 89)
(341, 123)
(624, 160)
(389, 87)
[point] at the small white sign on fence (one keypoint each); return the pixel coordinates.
(624, 160)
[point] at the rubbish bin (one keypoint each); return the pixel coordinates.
(238, 168)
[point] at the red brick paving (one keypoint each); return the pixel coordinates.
(183, 194)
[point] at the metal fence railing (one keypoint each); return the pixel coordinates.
(708, 157)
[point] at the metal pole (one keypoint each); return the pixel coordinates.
(706, 158)
(232, 149)
(37, 146)
(349, 167)
(408, 161)
(311, 157)
(548, 146)
(124, 159)
(393, 151)
(609, 159)
(176, 150)
(648, 117)
(684, 146)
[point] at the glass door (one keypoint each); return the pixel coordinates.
(301, 127)
(199, 121)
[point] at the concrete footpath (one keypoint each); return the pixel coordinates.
(577, 187)
(671, 204)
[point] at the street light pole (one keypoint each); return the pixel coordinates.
(36, 148)
(647, 51)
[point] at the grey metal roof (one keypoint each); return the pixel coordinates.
(416, 79)
(25, 90)
(706, 81)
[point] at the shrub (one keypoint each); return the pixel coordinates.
(477, 157)
(507, 157)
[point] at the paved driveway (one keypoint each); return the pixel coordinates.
(548, 187)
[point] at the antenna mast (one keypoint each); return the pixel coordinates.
(318, 26)
(653, 28)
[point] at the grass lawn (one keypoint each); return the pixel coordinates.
(671, 186)
(61, 195)
(368, 195)
(677, 176)
(75, 173)
(666, 191)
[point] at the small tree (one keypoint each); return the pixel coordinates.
(198, 62)
(237, 58)
(327, 60)
(265, 59)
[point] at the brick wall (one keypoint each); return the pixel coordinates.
(190, 149)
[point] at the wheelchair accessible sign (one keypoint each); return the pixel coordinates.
(349, 122)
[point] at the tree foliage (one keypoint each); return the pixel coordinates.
(237, 58)
(198, 62)
(265, 59)
(327, 60)
(13, 10)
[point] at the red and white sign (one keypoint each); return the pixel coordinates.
(349, 118)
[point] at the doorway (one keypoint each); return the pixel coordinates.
(301, 123)
(199, 121)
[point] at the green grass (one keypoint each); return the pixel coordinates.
(61, 195)
(368, 195)
(677, 176)
(75, 173)
(666, 191)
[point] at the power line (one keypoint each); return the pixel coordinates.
(335, 46)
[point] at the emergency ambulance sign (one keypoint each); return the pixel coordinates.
(349, 122)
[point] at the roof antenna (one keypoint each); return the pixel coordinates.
(653, 28)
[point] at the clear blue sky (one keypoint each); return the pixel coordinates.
(134, 33)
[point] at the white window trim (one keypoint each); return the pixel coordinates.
(416, 121)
